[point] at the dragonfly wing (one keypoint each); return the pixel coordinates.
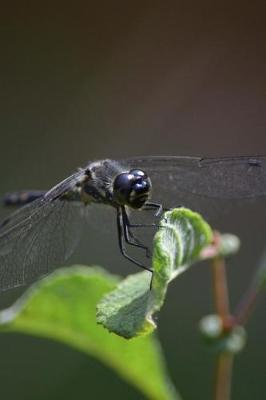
(224, 178)
(40, 243)
(39, 236)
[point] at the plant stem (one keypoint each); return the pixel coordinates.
(223, 376)
(247, 303)
(221, 298)
(222, 388)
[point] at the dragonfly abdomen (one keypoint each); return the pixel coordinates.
(21, 198)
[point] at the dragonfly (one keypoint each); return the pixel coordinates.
(45, 230)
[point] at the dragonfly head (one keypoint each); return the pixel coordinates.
(132, 188)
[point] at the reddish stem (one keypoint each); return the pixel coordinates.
(223, 376)
(222, 388)
(220, 289)
(247, 303)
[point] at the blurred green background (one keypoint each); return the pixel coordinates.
(119, 79)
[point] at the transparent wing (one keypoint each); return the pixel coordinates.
(40, 236)
(42, 242)
(224, 178)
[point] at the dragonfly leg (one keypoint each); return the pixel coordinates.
(121, 241)
(149, 206)
(155, 206)
(129, 236)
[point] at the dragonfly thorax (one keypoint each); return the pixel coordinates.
(132, 188)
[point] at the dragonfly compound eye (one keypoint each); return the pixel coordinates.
(132, 188)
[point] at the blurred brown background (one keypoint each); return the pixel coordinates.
(119, 79)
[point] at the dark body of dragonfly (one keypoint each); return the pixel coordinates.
(43, 233)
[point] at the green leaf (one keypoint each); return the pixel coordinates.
(229, 245)
(222, 245)
(260, 277)
(62, 307)
(232, 341)
(128, 309)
